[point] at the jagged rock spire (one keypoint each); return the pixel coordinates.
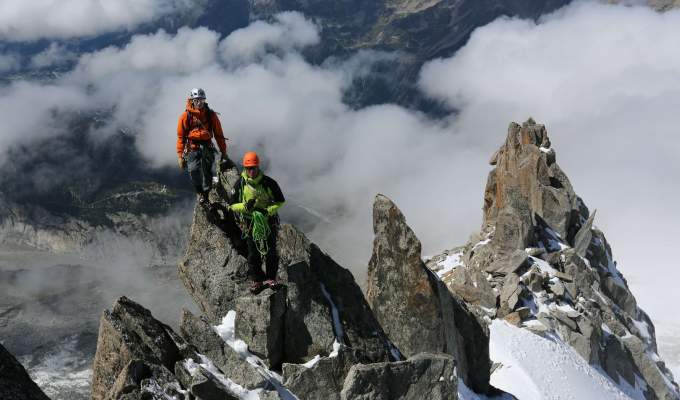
(550, 269)
(416, 310)
(527, 183)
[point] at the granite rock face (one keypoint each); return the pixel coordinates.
(424, 376)
(418, 312)
(319, 303)
(548, 266)
(399, 289)
(134, 350)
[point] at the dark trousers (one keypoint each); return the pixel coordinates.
(199, 165)
(255, 259)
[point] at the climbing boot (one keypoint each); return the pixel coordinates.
(256, 287)
(204, 201)
(272, 283)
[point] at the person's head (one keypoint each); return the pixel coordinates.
(251, 164)
(197, 97)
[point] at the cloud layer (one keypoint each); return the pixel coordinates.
(609, 98)
(62, 19)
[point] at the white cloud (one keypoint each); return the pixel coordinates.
(9, 62)
(289, 31)
(160, 53)
(609, 98)
(32, 111)
(22, 20)
(56, 54)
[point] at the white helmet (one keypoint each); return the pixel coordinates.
(197, 93)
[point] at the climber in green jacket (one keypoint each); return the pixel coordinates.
(257, 199)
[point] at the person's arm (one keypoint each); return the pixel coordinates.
(235, 203)
(219, 134)
(277, 194)
(181, 134)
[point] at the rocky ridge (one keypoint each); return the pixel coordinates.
(121, 214)
(316, 337)
(539, 263)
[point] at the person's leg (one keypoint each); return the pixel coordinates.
(254, 262)
(272, 259)
(194, 169)
(207, 160)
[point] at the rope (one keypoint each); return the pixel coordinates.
(260, 232)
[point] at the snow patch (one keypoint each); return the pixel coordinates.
(227, 331)
(337, 323)
(643, 328)
(336, 349)
(537, 368)
(195, 368)
(312, 362)
(544, 266)
(448, 264)
(482, 243)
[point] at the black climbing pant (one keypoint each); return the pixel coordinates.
(255, 259)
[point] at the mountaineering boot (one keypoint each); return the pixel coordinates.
(256, 287)
(204, 201)
(272, 283)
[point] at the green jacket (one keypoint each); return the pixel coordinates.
(263, 189)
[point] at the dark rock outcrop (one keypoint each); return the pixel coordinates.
(322, 380)
(417, 311)
(14, 380)
(424, 376)
(133, 350)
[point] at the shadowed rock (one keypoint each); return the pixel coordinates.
(416, 309)
(130, 333)
(322, 380)
(424, 376)
(14, 380)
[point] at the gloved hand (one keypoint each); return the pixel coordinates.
(182, 164)
(250, 204)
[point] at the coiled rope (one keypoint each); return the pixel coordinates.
(260, 232)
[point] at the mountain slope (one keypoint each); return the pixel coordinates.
(540, 263)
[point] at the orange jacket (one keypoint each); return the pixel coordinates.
(197, 125)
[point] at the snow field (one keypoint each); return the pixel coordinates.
(538, 368)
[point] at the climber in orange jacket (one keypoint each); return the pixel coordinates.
(196, 128)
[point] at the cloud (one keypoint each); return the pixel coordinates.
(609, 98)
(9, 62)
(55, 55)
(62, 19)
(289, 31)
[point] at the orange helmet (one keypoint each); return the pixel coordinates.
(250, 159)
